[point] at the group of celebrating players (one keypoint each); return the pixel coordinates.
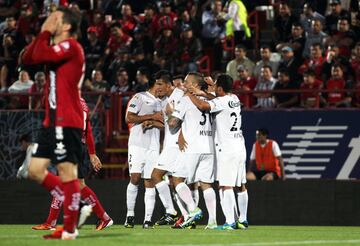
(203, 141)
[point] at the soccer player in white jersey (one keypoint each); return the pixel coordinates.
(170, 151)
(144, 113)
(196, 162)
(231, 152)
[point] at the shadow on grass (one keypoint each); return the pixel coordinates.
(107, 235)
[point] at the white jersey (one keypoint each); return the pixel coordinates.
(144, 103)
(196, 127)
(228, 122)
(170, 140)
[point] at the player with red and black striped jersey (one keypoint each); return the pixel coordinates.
(59, 140)
(87, 194)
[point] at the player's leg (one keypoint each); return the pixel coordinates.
(250, 176)
(194, 187)
(136, 162)
(149, 200)
(242, 198)
(210, 202)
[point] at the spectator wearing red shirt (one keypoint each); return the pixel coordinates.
(150, 21)
(310, 99)
(315, 62)
(245, 83)
(355, 64)
(166, 44)
(101, 25)
(165, 10)
(337, 82)
(118, 39)
(128, 22)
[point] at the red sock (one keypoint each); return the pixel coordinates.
(90, 197)
(71, 204)
(54, 211)
(54, 185)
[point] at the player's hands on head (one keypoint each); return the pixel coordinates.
(196, 91)
(208, 80)
(51, 23)
(95, 162)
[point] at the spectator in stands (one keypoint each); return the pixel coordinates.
(240, 59)
(150, 21)
(309, 15)
(245, 83)
(27, 21)
(10, 50)
(315, 62)
(96, 84)
(290, 62)
(184, 21)
(166, 44)
(122, 83)
(94, 51)
(236, 21)
(283, 22)
(336, 12)
(36, 101)
(344, 37)
(118, 39)
(285, 100)
(310, 99)
(333, 57)
(297, 40)
(165, 10)
(121, 60)
(337, 82)
(266, 83)
(178, 81)
(315, 35)
(101, 26)
(266, 162)
(23, 84)
(142, 80)
(140, 61)
(265, 53)
(142, 40)
(128, 22)
(355, 63)
(212, 32)
(189, 51)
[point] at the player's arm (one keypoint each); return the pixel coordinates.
(152, 123)
(134, 118)
(95, 161)
(174, 124)
(200, 104)
(282, 169)
(252, 164)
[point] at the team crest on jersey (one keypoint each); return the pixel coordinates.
(234, 104)
(65, 45)
(132, 105)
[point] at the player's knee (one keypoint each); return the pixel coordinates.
(36, 173)
(156, 177)
(135, 179)
(268, 177)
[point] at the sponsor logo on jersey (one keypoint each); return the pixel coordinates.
(233, 104)
(132, 105)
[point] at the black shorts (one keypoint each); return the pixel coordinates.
(260, 174)
(59, 144)
(84, 164)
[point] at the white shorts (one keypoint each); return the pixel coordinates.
(167, 159)
(195, 167)
(142, 161)
(231, 169)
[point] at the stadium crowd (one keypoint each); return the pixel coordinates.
(315, 46)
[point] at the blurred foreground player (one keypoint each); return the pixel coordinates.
(60, 138)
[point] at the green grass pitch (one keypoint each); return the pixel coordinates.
(255, 235)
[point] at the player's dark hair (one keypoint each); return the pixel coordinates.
(263, 131)
(199, 80)
(225, 81)
(25, 138)
(164, 75)
(72, 18)
(178, 76)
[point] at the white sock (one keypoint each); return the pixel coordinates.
(210, 201)
(229, 204)
(195, 196)
(185, 195)
(181, 205)
(150, 194)
(131, 194)
(243, 200)
(165, 197)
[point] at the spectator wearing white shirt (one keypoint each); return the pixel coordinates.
(23, 84)
(267, 83)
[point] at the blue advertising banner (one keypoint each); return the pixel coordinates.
(315, 144)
